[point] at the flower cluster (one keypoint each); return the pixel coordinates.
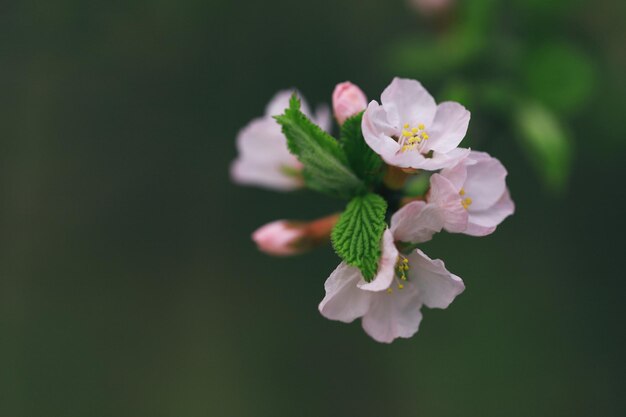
(383, 148)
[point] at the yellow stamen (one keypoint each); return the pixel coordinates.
(421, 126)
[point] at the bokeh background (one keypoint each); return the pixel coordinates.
(128, 282)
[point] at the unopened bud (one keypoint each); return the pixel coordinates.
(285, 238)
(348, 100)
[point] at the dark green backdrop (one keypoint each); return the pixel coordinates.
(128, 282)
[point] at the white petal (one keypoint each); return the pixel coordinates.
(280, 102)
(344, 301)
(416, 222)
(386, 266)
(322, 117)
(441, 160)
(263, 156)
(484, 222)
(436, 286)
(407, 101)
(447, 198)
(485, 183)
(377, 131)
(393, 315)
(449, 127)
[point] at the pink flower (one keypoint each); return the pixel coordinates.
(264, 159)
(348, 100)
(409, 130)
(390, 304)
(472, 195)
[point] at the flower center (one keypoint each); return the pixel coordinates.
(412, 137)
(465, 202)
(402, 265)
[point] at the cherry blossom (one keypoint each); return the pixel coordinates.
(390, 305)
(264, 159)
(472, 196)
(409, 130)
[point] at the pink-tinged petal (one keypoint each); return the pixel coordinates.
(264, 159)
(441, 160)
(436, 286)
(386, 266)
(457, 174)
(378, 133)
(279, 238)
(344, 301)
(485, 182)
(484, 222)
(348, 100)
(322, 117)
(448, 128)
(393, 315)
(446, 197)
(280, 102)
(416, 222)
(407, 101)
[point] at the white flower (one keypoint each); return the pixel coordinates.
(472, 196)
(264, 159)
(409, 130)
(390, 304)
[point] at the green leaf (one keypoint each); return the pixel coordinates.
(325, 164)
(366, 163)
(357, 235)
(546, 144)
(560, 76)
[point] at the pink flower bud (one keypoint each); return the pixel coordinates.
(348, 100)
(284, 237)
(279, 238)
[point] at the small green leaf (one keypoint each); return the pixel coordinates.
(546, 144)
(325, 164)
(366, 163)
(357, 235)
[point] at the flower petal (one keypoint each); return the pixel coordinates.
(394, 315)
(449, 127)
(485, 182)
(446, 197)
(322, 117)
(344, 301)
(407, 101)
(378, 133)
(280, 102)
(440, 160)
(436, 286)
(416, 222)
(484, 222)
(386, 265)
(263, 157)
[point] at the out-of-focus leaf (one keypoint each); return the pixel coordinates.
(546, 144)
(459, 91)
(418, 185)
(560, 76)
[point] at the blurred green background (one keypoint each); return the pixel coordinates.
(128, 282)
